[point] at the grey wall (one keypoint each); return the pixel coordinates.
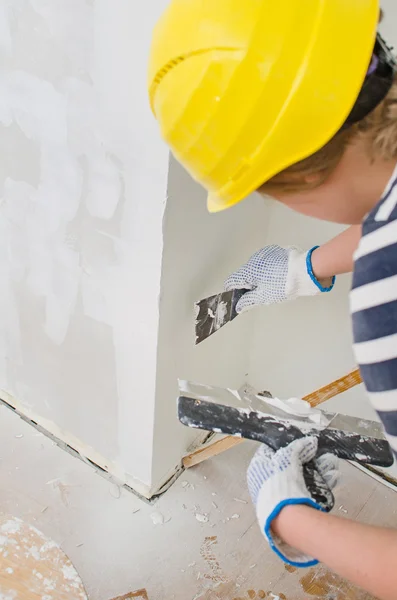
(200, 250)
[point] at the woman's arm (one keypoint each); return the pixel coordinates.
(336, 256)
(275, 274)
(363, 554)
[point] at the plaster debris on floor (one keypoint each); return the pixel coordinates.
(122, 543)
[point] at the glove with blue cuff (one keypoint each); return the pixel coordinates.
(276, 480)
(276, 274)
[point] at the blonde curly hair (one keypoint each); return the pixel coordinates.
(378, 130)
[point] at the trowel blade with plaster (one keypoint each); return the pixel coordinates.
(235, 413)
(246, 397)
(242, 423)
(215, 312)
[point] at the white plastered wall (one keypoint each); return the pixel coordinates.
(83, 180)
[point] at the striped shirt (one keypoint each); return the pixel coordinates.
(373, 304)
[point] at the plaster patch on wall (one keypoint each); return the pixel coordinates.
(95, 304)
(34, 219)
(81, 221)
(8, 13)
(87, 140)
(104, 187)
(77, 177)
(70, 23)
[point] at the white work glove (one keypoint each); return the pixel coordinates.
(275, 480)
(276, 274)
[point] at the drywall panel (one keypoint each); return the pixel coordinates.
(200, 251)
(82, 181)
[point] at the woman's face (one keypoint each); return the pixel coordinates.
(332, 201)
(351, 191)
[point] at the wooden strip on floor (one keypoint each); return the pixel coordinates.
(138, 595)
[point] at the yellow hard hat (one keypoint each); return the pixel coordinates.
(242, 89)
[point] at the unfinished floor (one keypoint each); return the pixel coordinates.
(200, 540)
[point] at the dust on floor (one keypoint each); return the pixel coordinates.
(200, 540)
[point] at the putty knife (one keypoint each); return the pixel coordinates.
(214, 312)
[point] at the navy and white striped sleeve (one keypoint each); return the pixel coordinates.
(373, 304)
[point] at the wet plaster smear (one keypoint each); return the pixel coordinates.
(75, 245)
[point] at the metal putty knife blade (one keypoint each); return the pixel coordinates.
(214, 312)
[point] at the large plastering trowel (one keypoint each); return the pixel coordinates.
(259, 418)
(253, 417)
(215, 312)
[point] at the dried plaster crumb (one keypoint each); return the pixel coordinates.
(361, 457)
(157, 518)
(202, 518)
(11, 526)
(69, 573)
(186, 485)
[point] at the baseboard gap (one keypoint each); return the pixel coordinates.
(377, 474)
(66, 447)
